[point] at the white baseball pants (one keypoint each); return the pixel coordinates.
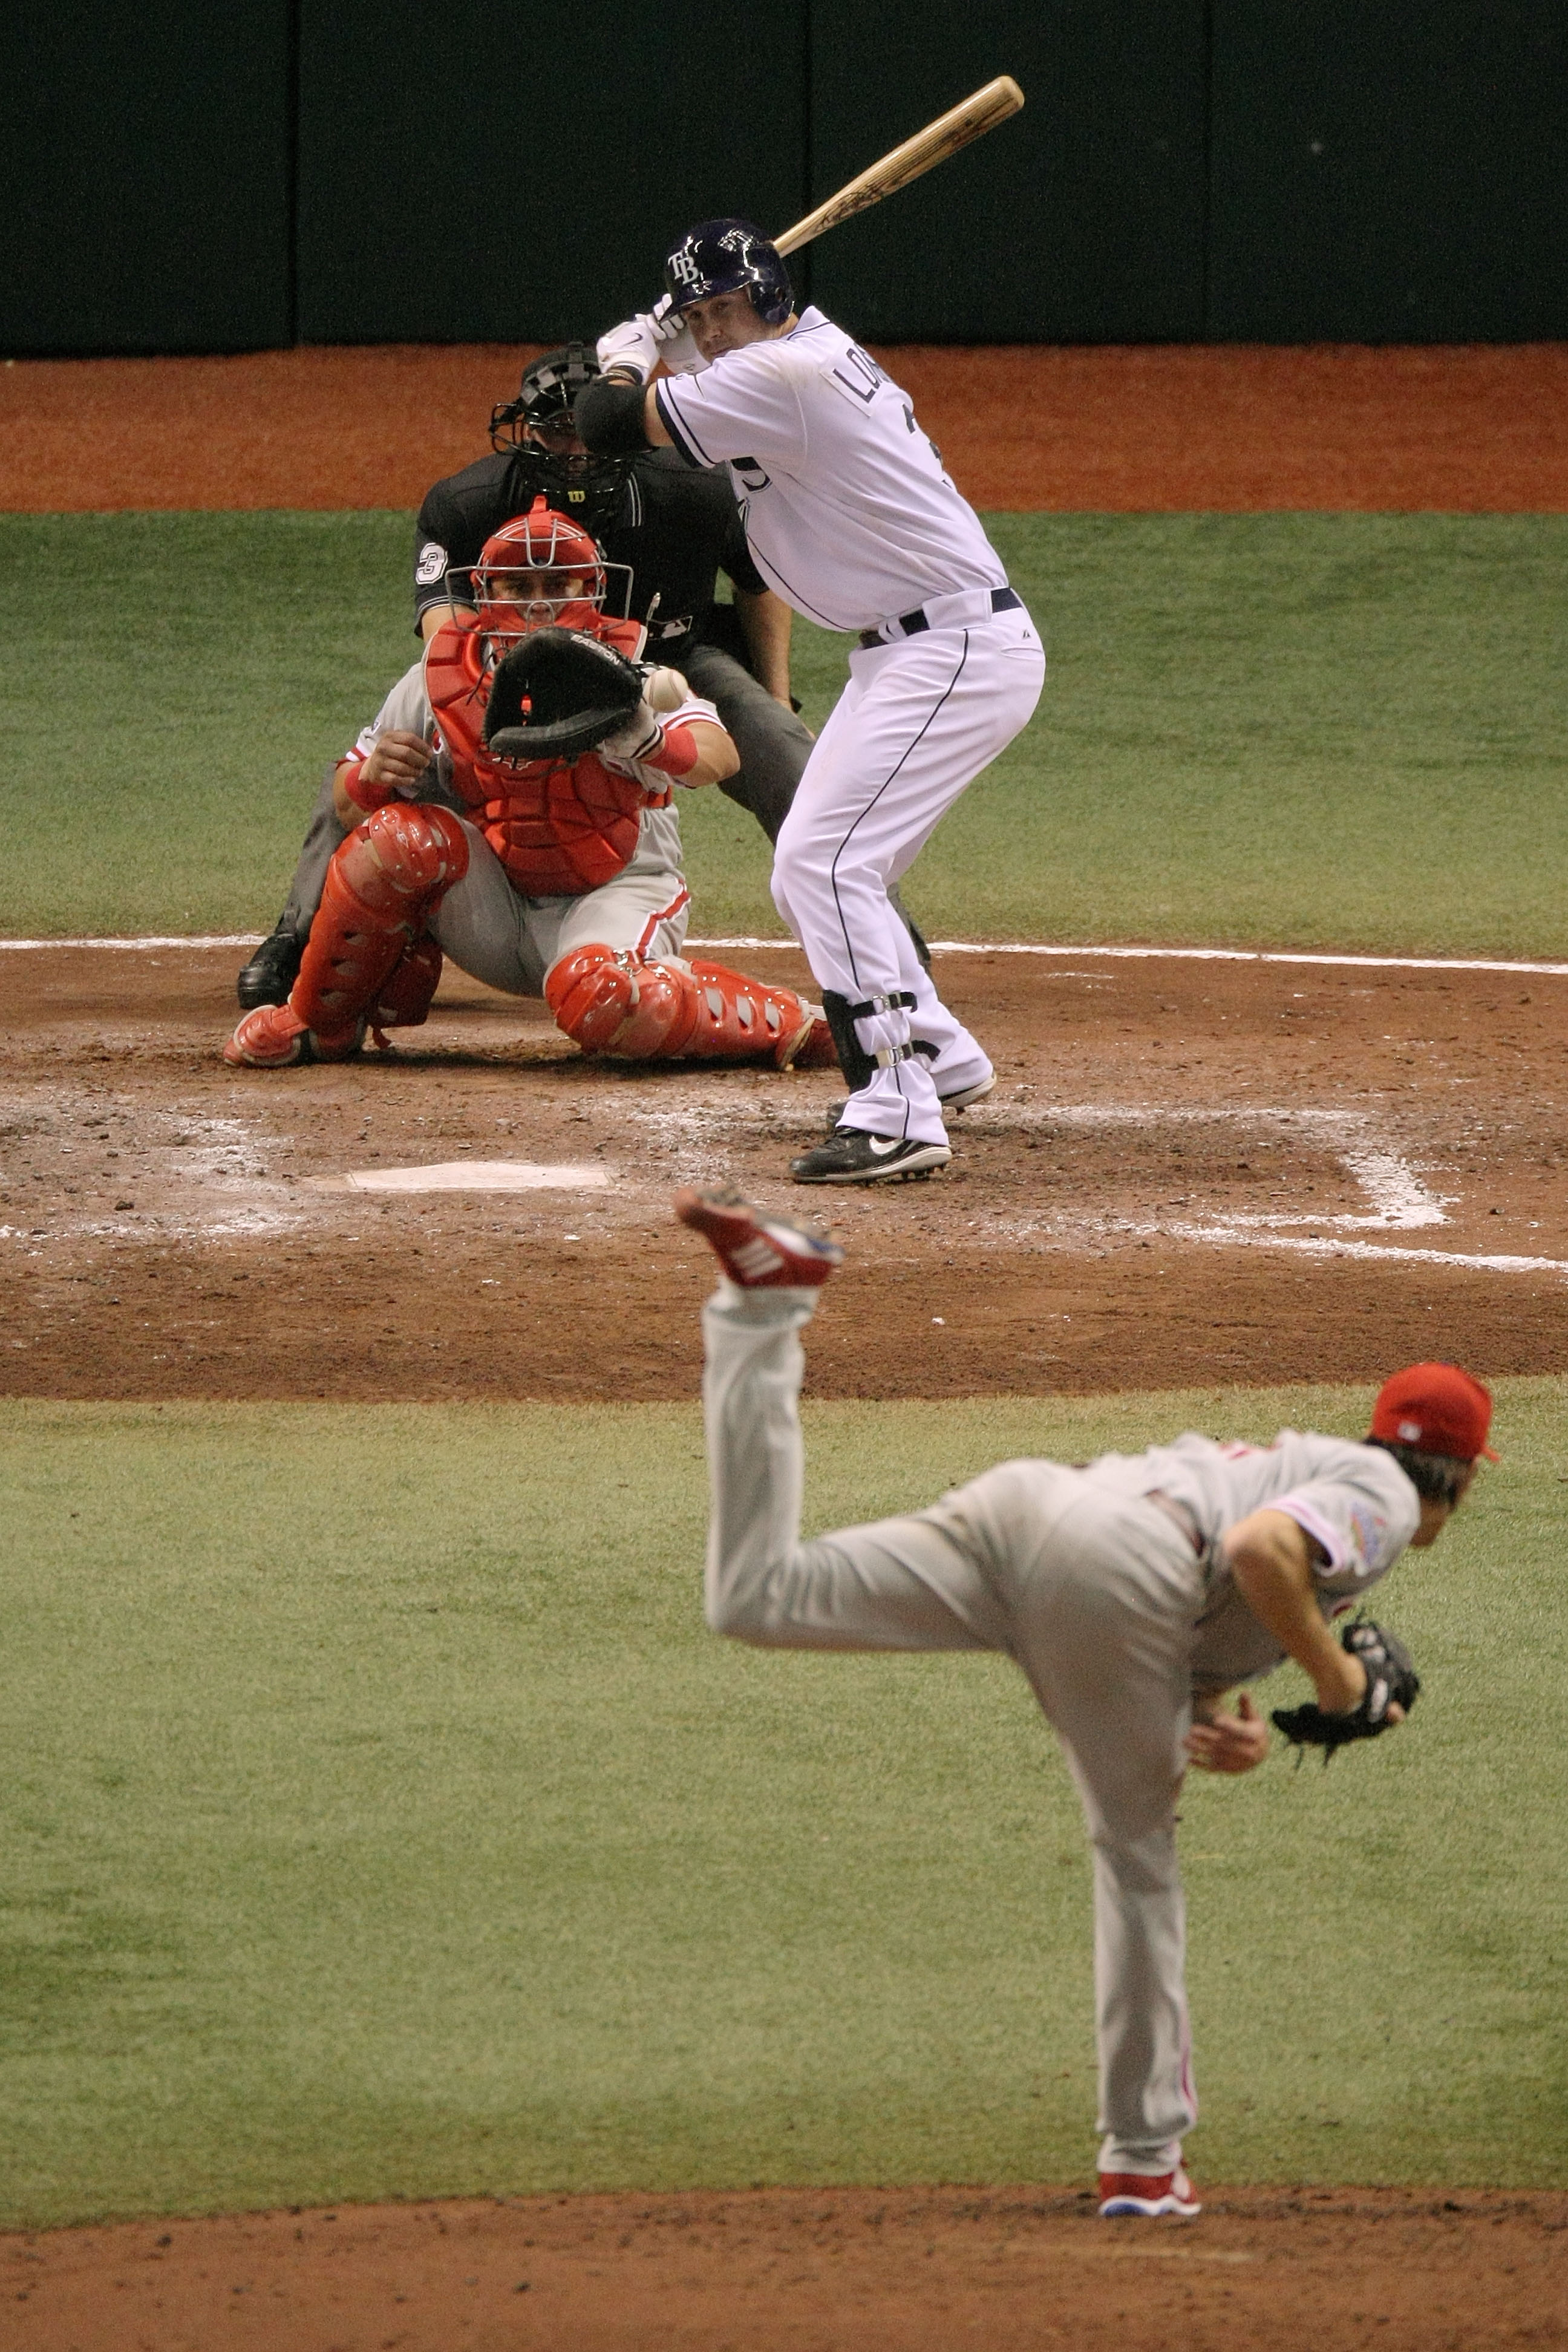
(1095, 1595)
(917, 722)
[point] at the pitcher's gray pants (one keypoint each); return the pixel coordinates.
(1094, 1594)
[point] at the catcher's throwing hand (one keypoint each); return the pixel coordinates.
(397, 760)
(1218, 1742)
(1391, 1683)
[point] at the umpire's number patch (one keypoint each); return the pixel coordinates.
(432, 563)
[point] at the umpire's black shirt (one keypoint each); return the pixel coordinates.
(676, 529)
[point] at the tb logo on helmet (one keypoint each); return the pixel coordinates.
(721, 257)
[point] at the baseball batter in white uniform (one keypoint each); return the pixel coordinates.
(850, 518)
(1135, 1592)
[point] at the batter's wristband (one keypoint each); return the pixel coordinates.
(369, 797)
(677, 755)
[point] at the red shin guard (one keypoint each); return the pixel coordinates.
(380, 887)
(637, 1011)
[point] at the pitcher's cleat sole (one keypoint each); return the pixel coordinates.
(757, 1251)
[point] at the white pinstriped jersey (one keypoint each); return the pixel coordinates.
(849, 513)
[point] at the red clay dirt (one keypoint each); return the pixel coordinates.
(810, 2270)
(1223, 428)
(1191, 1172)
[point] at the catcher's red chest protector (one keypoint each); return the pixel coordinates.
(558, 830)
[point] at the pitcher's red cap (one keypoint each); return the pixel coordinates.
(1436, 1407)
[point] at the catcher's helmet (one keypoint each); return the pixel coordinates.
(718, 257)
(549, 460)
(541, 571)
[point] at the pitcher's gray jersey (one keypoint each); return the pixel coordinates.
(1353, 1500)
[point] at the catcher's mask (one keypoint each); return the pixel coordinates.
(549, 460)
(541, 571)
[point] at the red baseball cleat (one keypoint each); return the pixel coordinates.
(1147, 2194)
(758, 1252)
(274, 1037)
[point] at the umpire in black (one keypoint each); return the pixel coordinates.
(674, 529)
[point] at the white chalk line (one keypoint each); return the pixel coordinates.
(958, 946)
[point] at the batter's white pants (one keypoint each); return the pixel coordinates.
(919, 720)
(1095, 1595)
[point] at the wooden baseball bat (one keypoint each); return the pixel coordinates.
(939, 140)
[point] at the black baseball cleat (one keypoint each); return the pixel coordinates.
(849, 1156)
(959, 1101)
(271, 972)
(756, 1250)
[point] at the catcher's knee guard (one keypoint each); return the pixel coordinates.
(596, 995)
(380, 887)
(637, 1011)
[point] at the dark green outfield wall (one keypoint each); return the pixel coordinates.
(185, 177)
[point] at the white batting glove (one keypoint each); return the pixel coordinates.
(676, 347)
(633, 346)
(637, 738)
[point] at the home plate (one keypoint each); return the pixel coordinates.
(471, 1176)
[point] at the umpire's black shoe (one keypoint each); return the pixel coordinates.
(271, 972)
(850, 1156)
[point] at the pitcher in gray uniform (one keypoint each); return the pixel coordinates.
(1135, 1592)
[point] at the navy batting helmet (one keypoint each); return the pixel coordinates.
(719, 257)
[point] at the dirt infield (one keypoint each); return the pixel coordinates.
(1143, 429)
(1018, 2270)
(1189, 1173)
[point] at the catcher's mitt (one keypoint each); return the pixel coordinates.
(1391, 1680)
(557, 693)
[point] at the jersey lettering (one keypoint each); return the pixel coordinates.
(753, 476)
(867, 379)
(432, 563)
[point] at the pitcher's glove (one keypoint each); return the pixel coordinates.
(1391, 1680)
(556, 694)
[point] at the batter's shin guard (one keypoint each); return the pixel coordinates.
(858, 1065)
(380, 887)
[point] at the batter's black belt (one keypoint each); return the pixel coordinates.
(912, 624)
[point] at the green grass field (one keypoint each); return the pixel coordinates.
(377, 1821)
(1346, 731)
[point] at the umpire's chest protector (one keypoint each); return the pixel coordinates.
(558, 830)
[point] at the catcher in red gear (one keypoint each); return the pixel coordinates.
(562, 878)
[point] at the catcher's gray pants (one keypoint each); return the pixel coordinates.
(774, 745)
(1094, 1594)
